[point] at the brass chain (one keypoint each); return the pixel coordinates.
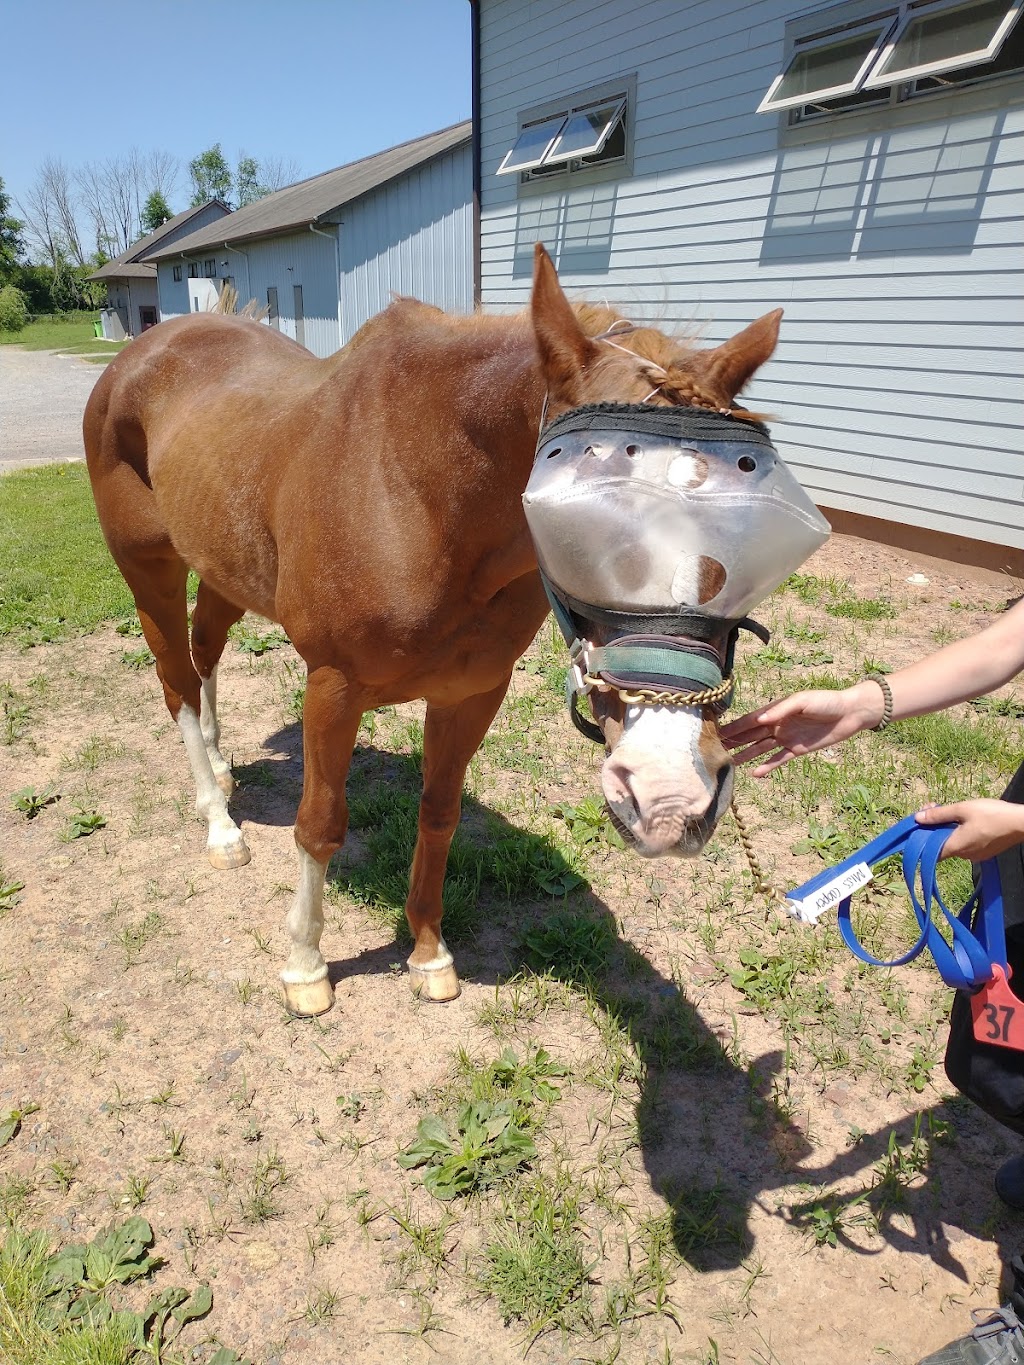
(651, 696)
(648, 696)
(762, 885)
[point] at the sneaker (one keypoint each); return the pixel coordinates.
(1010, 1182)
(998, 1340)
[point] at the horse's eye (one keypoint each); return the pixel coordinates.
(747, 463)
(634, 450)
(552, 453)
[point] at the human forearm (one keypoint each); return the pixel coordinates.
(960, 671)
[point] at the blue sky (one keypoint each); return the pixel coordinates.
(320, 81)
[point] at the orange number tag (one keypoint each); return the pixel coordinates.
(998, 1014)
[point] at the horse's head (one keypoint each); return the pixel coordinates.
(661, 514)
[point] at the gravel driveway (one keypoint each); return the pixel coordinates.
(42, 397)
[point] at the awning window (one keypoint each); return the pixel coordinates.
(910, 41)
(824, 68)
(532, 145)
(577, 133)
(932, 41)
(586, 132)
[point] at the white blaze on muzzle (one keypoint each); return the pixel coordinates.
(643, 510)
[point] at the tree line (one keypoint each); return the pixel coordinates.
(73, 219)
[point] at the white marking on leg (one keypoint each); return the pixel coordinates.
(211, 803)
(210, 727)
(305, 923)
(438, 963)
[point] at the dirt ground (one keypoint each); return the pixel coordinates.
(140, 1009)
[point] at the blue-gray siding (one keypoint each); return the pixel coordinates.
(892, 240)
(411, 236)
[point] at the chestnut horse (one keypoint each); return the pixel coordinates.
(371, 504)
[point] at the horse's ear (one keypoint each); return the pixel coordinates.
(564, 348)
(729, 366)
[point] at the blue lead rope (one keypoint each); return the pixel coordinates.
(966, 965)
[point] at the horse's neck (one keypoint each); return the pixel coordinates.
(502, 392)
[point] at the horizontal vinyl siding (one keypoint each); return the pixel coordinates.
(413, 236)
(892, 240)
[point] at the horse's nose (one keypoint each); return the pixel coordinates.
(654, 815)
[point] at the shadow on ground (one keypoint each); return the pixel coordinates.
(717, 1135)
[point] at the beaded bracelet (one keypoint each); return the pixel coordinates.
(883, 683)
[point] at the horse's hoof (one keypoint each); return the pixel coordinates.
(437, 984)
(224, 857)
(307, 999)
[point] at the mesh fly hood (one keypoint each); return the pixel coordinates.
(633, 508)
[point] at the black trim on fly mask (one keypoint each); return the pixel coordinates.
(675, 424)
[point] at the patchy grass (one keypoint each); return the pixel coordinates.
(661, 1123)
(59, 578)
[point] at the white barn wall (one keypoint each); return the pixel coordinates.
(892, 240)
(301, 258)
(173, 296)
(413, 236)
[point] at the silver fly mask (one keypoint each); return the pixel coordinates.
(659, 511)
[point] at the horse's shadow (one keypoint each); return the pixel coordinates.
(717, 1132)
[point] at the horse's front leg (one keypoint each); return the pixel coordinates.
(212, 619)
(451, 736)
(330, 721)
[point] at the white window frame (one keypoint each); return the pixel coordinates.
(619, 95)
(876, 79)
(618, 112)
(894, 19)
(558, 123)
(881, 25)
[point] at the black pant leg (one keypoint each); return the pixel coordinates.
(993, 1077)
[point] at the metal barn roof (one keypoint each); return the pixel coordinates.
(130, 263)
(298, 205)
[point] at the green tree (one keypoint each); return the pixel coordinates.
(13, 310)
(210, 175)
(12, 244)
(247, 181)
(155, 212)
(66, 288)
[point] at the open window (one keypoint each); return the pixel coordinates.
(897, 51)
(932, 41)
(583, 133)
(828, 66)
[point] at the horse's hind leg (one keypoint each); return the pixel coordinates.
(212, 619)
(451, 736)
(157, 579)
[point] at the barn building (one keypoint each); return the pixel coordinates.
(858, 163)
(324, 255)
(133, 302)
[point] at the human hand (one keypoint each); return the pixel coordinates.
(801, 724)
(984, 827)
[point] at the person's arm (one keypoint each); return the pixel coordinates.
(808, 721)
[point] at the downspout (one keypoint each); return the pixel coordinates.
(474, 8)
(336, 236)
(245, 257)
